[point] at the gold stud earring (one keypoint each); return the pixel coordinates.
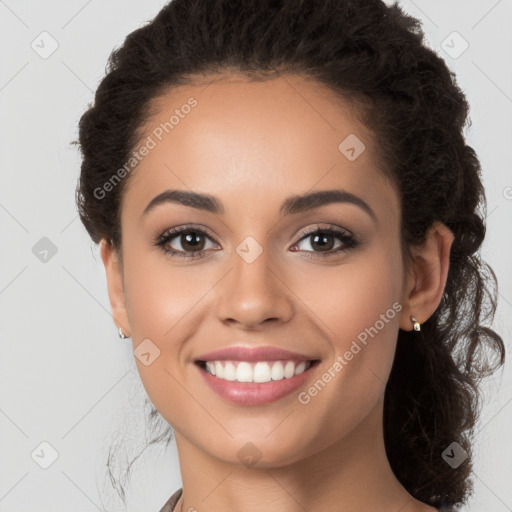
(416, 324)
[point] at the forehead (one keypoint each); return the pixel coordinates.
(235, 138)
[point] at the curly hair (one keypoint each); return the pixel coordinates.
(373, 56)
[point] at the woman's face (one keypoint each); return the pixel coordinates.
(254, 148)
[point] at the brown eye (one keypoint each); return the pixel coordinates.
(185, 242)
(190, 241)
(322, 241)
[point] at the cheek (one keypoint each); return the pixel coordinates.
(163, 302)
(351, 297)
(358, 309)
(161, 294)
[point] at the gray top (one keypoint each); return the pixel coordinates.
(171, 503)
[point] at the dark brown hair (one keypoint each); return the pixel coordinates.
(374, 57)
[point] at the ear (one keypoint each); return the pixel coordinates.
(426, 276)
(114, 274)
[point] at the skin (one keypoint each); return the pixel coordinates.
(252, 145)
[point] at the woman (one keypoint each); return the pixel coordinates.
(289, 219)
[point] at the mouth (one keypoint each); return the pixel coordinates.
(256, 371)
(255, 383)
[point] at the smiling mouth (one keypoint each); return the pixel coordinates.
(256, 371)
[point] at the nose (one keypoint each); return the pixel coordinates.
(254, 293)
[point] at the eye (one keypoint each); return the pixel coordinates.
(191, 242)
(323, 241)
(184, 242)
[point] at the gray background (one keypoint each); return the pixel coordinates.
(65, 377)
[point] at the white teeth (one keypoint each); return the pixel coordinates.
(262, 371)
(301, 368)
(230, 372)
(219, 370)
(277, 371)
(210, 367)
(243, 372)
(289, 369)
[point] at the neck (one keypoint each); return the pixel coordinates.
(351, 474)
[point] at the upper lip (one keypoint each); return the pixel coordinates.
(240, 353)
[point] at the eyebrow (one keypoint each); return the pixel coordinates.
(292, 205)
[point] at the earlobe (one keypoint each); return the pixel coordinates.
(427, 276)
(114, 275)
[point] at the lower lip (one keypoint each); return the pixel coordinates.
(254, 393)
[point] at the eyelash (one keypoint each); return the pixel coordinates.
(345, 236)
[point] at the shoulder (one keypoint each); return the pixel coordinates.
(171, 502)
